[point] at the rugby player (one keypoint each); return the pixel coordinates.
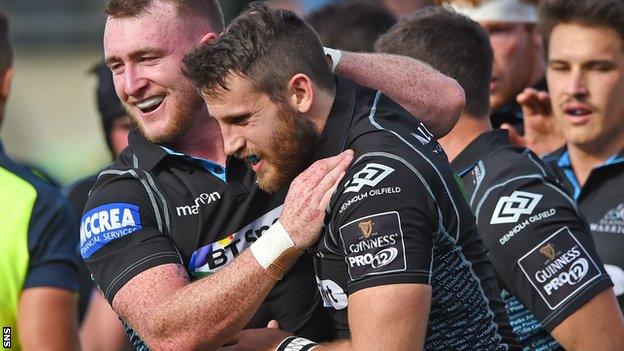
(518, 62)
(585, 53)
(539, 244)
(400, 264)
(173, 209)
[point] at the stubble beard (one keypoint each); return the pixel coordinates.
(290, 152)
(179, 121)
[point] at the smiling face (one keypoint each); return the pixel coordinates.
(586, 82)
(274, 139)
(144, 53)
(516, 65)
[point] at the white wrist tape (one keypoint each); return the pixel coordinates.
(336, 56)
(295, 343)
(271, 245)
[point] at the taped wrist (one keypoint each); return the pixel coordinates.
(335, 56)
(296, 343)
(275, 251)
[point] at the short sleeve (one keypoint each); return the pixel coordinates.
(53, 243)
(541, 248)
(122, 233)
(384, 222)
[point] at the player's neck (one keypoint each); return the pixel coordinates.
(203, 140)
(585, 158)
(467, 129)
(319, 113)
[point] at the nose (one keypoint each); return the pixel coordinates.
(134, 82)
(232, 141)
(577, 86)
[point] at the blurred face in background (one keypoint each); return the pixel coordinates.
(517, 54)
(586, 82)
(144, 53)
(118, 134)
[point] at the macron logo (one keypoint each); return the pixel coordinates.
(202, 199)
(510, 208)
(371, 175)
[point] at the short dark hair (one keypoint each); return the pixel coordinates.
(6, 52)
(209, 9)
(591, 13)
(268, 46)
(351, 26)
(450, 42)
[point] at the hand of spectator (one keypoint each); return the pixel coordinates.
(308, 197)
(541, 132)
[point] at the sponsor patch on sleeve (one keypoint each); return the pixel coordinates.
(106, 223)
(559, 267)
(374, 245)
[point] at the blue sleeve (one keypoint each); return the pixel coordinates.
(52, 243)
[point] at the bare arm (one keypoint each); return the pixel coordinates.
(435, 99)
(48, 319)
(170, 313)
(386, 317)
(101, 329)
(598, 325)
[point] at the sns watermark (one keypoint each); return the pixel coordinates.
(6, 337)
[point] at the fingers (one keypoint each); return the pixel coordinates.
(329, 182)
(324, 202)
(534, 103)
(514, 137)
(273, 324)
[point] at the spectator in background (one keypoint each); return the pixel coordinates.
(518, 55)
(582, 314)
(38, 255)
(352, 26)
(100, 328)
(585, 53)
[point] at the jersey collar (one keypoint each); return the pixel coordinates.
(335, 134)
(151, 155)
(478, 148)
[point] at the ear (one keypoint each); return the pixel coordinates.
(5, 85)
(208, 38)
(300, 93)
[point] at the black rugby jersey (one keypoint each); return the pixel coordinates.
(601, 201)
(398, 216)
(538, 242)
(151, 207)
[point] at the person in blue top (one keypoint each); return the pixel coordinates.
(38, 257)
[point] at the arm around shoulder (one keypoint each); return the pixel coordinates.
(434, 98)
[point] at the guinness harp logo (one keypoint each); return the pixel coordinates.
(366, 228)
(548, 251)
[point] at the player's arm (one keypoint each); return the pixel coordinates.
(48, 306)
(578, 311)
(435, 99)
(47, 319)
(101, 329)
(597, 325)
(387, 317)
(170, 313)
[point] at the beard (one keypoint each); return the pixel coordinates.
(179, 121)
(290, 151)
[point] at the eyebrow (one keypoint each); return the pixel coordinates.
(236, 117)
